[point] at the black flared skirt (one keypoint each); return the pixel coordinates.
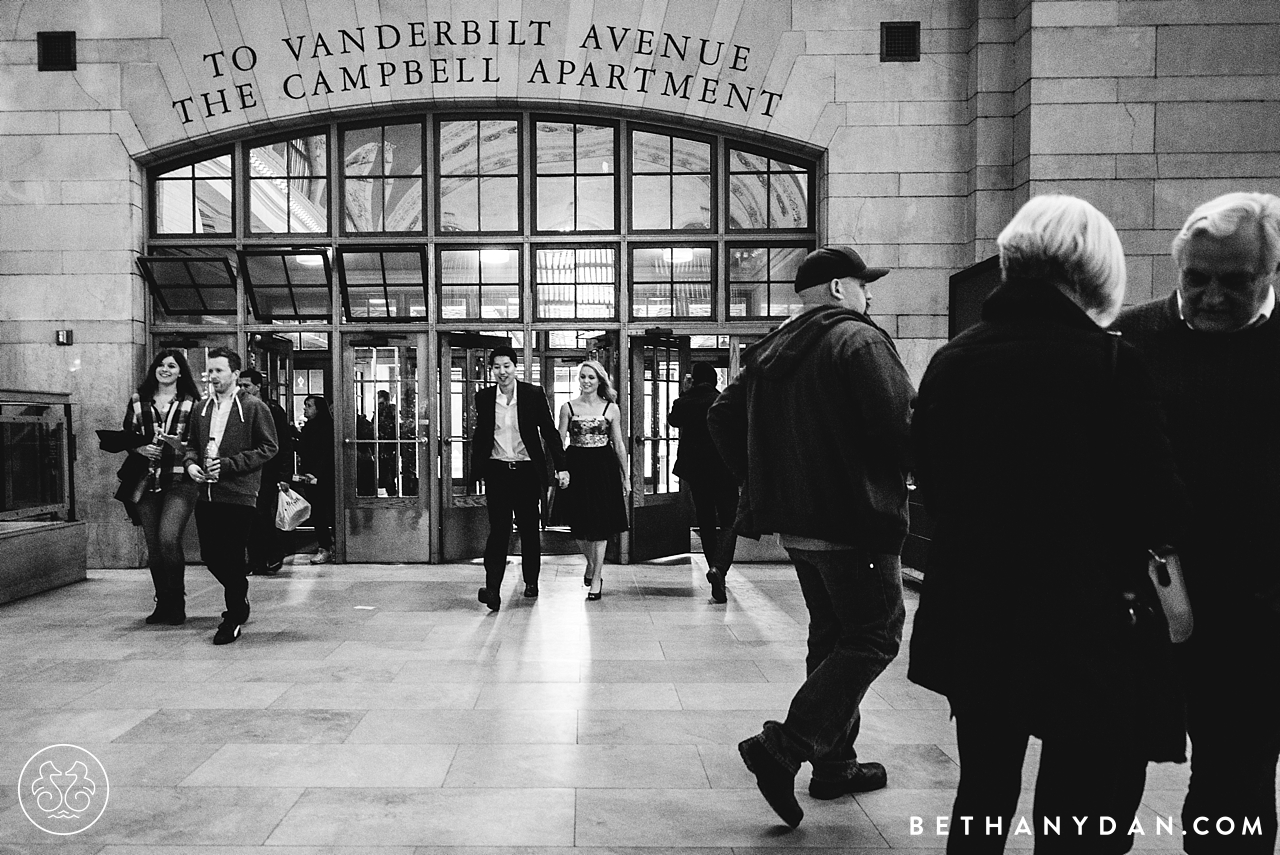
(593, 501)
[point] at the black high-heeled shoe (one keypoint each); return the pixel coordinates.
(595, 595)
(586, 578)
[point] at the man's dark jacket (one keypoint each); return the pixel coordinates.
(1221, 395)
(280, 467)
(1041, 456)
(536, 428)
(816, 426)
(697, 458)
(248, 442)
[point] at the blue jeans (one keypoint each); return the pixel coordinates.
(164, 521)
(855, 629)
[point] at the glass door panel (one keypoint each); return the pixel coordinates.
(384, 440)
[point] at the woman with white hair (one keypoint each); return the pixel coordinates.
(591, 431)
(1041, 454)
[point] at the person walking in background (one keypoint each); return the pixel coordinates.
(1213, 346)
(513, 422)
(595, 502)
(266, 545)
(1041, 454)
(714, 489)
(157, 486)
(315, 462)
(816, 428)
(232, 438)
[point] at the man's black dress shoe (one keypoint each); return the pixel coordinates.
(868, 777)
(493, 601)
(531, 590)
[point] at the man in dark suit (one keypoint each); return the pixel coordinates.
(513, 421)
(266, 546)
(714, 489)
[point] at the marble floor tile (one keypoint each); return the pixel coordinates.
(258, 850)
(256, 643)
(782, 670)
(41, 694)
(771, 698)
(579, 766)
(494, 671)
(754, 650)
(347, 765)
(668, 671)
(891, 811)
(375, 696)
(580, 649)
(176, 815)
(435, 817)
(579, 696)
(463, 727)
(74, 726)
(736, 818)
(387, 651)
(725, 769)
(173, 695)
(901, 695)
(297, 671)
(240, 726)
(126, 765)
(129, 670)
(685, 727)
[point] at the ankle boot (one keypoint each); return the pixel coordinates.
(160, 614)
(177, 611)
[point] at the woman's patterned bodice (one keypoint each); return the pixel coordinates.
(588, 431)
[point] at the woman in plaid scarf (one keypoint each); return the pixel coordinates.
(164, 495)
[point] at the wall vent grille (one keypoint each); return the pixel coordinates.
(899, 41)
(56, 51)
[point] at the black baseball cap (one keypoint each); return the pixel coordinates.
(834, 262)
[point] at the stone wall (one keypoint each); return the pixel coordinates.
(70, 229)
(1147, 109)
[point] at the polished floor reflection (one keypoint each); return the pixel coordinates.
(381, 709)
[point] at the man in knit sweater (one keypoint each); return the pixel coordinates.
(1214, 348)
(241, 428)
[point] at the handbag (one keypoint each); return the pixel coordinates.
(291, 510)
(1171, 591)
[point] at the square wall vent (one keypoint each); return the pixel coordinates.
(56, 51)
(899, 41)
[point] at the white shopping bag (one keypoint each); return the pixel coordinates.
(291, 510)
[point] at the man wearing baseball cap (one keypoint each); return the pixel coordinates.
(816, 426)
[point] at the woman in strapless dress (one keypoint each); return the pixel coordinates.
(595, 500)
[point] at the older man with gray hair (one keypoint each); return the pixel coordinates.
(1214, 348)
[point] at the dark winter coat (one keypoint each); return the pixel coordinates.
(1042, 457)
(697, 458)
(816, 428)
(280, 467)
(1221, 395)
